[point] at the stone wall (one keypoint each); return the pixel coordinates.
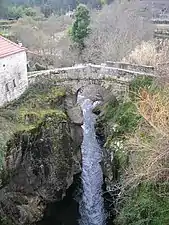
(13, 77)
(132, 67)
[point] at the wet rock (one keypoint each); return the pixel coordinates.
(70, 100)
(76, 117)
(73, 109)
(103, 131)
(40, 165)
(97, 109)
(76, 133)
(75, 114)
(109, 98)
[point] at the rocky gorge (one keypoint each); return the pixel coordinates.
(42, 157)
(42, 153)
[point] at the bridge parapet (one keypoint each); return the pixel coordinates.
(132, 67)
(87, 72)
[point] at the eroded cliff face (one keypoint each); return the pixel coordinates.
(41, 156)
(104, 130)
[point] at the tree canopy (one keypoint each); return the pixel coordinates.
(80, 28)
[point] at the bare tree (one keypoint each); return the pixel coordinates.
(116, 30)
(47, 41)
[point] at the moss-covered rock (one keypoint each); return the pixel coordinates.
(41, 155)
(29, 109)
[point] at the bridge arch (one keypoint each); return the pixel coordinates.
(93, 92)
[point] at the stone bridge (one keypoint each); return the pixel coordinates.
(114, 75)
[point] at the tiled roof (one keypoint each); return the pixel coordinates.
(8, 47)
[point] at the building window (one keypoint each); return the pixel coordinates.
(14, 83)
(7, 87)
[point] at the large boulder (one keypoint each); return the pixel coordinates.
(39, 168)
(76, 115)
(42, 154)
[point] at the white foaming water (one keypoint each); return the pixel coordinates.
(92, 203)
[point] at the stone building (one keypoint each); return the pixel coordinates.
(13, 70)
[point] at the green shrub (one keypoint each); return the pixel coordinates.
(141, 83)
(125, 116)
(30, 12)
(146, 206)
(80, 28)
(16, 12)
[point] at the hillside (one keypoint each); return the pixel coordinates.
(81, 152)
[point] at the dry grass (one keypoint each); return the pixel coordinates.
(148, 147)
(162, 62)
(155, 109)
(143, 54)
(152, 53)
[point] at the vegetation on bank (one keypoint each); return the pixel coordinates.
(138, 130)
(26, 113)
(147, 204)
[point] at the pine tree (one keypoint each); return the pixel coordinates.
(80, 28)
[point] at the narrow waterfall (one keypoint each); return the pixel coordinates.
(92, 203)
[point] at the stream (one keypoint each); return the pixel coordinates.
(91, 205)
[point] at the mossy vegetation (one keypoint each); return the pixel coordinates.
(47, 136)
(5, 221)
(122, 119)
(26, 113)
(39, 158)
(147, 205)
(135, 135)
(141, 83)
